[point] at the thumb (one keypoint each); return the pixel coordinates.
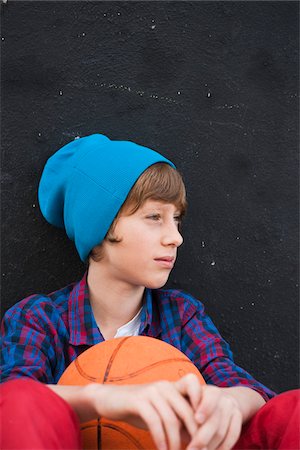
(189, 386)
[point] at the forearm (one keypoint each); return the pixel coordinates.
(80, 398)
(162, 407)
(249, 401)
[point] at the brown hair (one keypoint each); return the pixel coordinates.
(159, 182)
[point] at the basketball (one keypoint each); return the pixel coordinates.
(125, 360)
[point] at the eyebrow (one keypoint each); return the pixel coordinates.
(145, 208)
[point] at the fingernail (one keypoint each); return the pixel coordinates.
(200, 419)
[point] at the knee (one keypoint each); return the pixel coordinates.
(21, 390)
(287, 401)
(29, 398)
(32, 407)
(282, 408)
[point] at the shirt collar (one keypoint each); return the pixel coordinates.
(83, 327)
(82, 323)
(150, 318)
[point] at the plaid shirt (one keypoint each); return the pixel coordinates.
(43, 334)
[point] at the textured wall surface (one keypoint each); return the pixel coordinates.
(214, 87)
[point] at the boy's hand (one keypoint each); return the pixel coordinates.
(219, 420)
(165, 408)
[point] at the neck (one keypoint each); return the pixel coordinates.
(113, 302)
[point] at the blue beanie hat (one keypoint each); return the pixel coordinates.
(85, 183)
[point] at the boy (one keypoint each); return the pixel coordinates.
(122, 205)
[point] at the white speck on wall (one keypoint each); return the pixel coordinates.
(238, 237)
(119, 13)
(2, 39)
(60, 92)
(39, 134)
(226, 106)
(208, 94)
(83, 34)
(152, 27)
(76, 137)
(252, 303)
(203, 243)
(241, 307)
(178, 92)
(139, 92)
(213, 263)
(33, 205)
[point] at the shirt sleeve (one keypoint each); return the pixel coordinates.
(27, 342)
(203, 344)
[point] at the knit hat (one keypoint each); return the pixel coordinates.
(85, 183)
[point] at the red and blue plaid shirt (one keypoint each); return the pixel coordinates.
(43, 334)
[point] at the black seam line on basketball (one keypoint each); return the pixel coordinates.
(111, 380)
(125, 433)
(109, 364)
(82, 372)
(89, 425)
(144, 369)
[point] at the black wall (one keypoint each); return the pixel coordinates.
(211, 85)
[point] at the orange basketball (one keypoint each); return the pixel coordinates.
(125, 360)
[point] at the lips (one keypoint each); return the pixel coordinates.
(165, 261)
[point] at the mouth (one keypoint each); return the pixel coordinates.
(165, 261)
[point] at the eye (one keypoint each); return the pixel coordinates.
(154, 217)
(178, 220)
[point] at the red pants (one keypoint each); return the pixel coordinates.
(35, 418)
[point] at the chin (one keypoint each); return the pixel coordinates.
(158, 284)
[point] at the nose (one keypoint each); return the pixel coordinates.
(171, 236)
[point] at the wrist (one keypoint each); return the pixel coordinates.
(248, 401)
(86, 400)
(92, 399)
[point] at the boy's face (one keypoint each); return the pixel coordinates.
(147, 251)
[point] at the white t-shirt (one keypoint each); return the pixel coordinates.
(130, 328)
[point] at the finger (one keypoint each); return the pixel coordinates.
(226, 414)
(205, 433)
(170, 421)
(208, 403)
(190, 386)
(152, 419)
(233, 432)
(182, 409)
